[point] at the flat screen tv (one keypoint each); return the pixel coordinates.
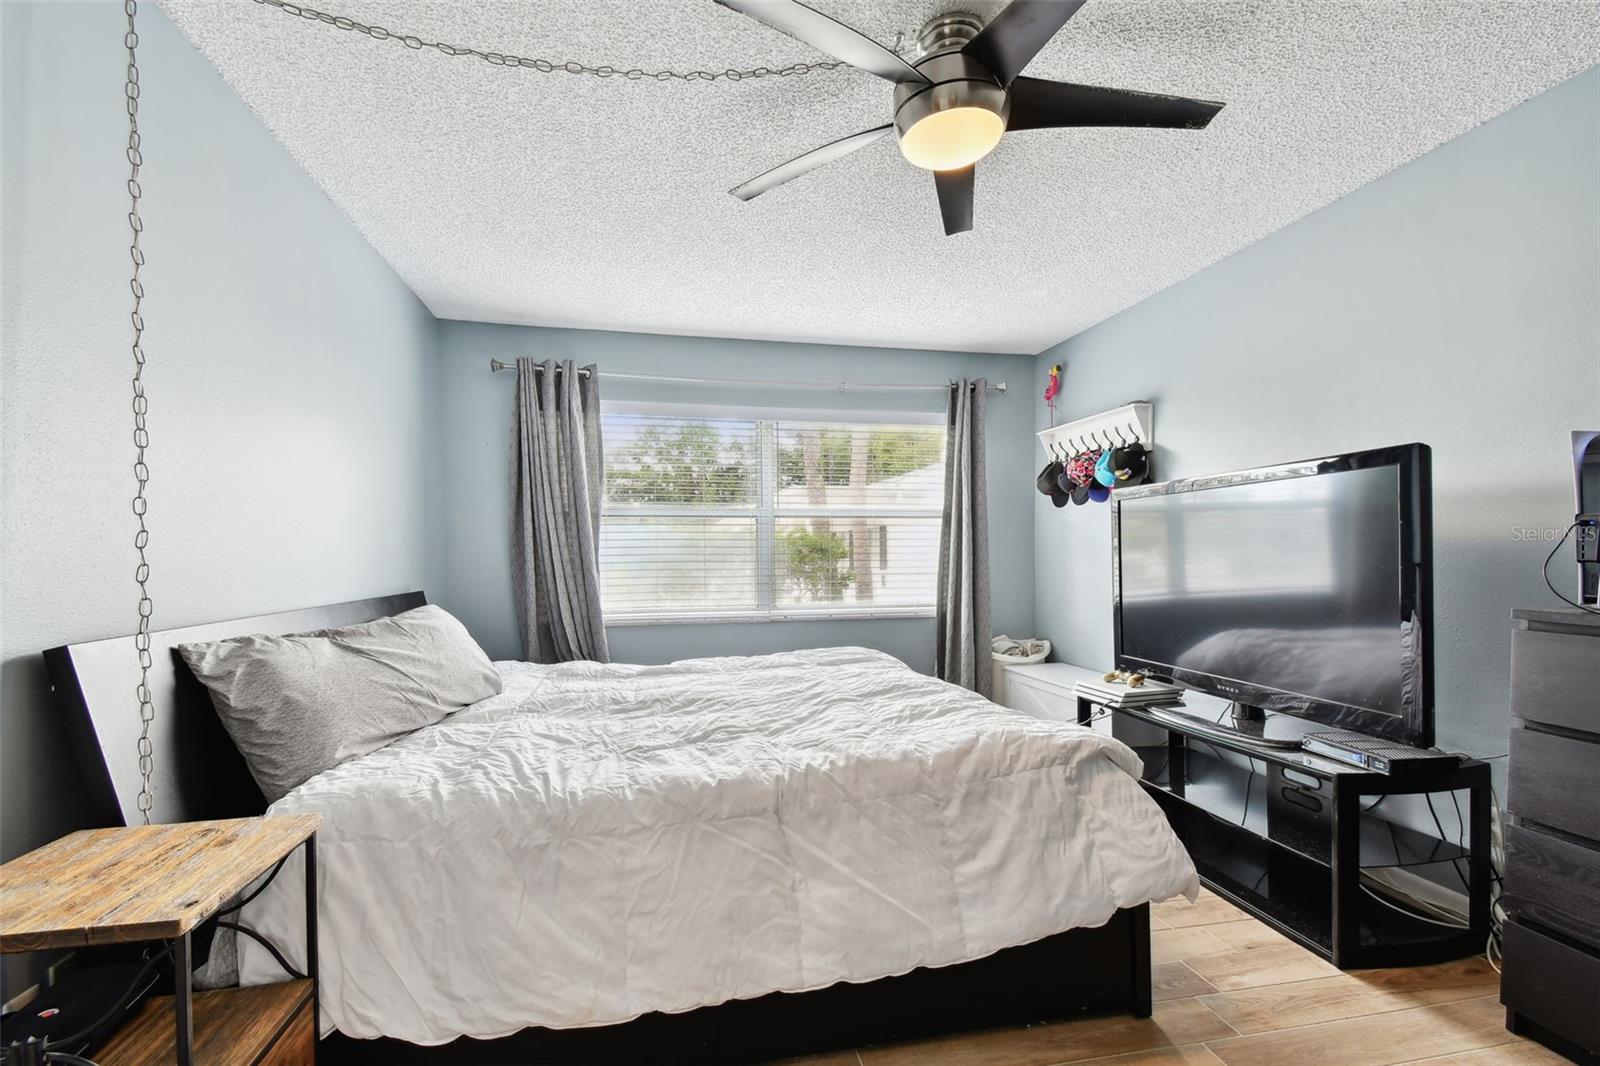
(1303, 589)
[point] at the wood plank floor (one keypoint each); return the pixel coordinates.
(1231, 992)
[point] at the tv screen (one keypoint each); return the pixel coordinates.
(1300, 589)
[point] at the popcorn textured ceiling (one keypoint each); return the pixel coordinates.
(509, 195)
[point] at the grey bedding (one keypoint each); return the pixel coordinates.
(299, 704)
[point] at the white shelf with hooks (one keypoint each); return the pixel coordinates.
(1120, 425)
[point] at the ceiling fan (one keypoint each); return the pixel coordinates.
(962, 91)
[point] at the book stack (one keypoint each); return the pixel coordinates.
(1121, 694)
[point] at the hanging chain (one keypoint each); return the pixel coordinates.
(141, 438)
(546, 66)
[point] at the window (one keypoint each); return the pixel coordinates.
(709, 516)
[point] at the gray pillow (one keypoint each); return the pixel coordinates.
(298, 704)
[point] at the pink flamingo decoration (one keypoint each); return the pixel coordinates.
(1051, 390)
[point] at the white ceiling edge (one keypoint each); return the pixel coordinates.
(931, 294)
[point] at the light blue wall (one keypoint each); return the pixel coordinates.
(476, 436)
(1455, 301)
(290, 379)
(317, 436)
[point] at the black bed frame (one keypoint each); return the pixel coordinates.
(199, 774)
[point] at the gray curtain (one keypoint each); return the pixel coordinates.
(558, 481)
(962, 622)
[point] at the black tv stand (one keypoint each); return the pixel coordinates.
(1285, 835)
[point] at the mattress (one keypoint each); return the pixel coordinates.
(601, 841)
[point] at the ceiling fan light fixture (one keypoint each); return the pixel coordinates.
(953, 120)
(962, 90)
(952, 139)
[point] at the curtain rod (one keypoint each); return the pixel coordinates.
(842, 386)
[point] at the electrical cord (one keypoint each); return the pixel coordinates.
(1098, 715)
(271, 948)
(1244, 815)
(1461, 840)
(89, 1030)
(1497, 865)
(32, 1051)
(1545, 572)
(122, 1004)
(1444, 839)
(1106, 712)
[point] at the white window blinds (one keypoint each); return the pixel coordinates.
(720, 517)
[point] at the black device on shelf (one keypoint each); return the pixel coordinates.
(78, 1011)
(1374, 753)
(1285, 835)
(1303, 592)
(1586, 522)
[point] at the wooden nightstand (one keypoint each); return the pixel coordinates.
(160, 882)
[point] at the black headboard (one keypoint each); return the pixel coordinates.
(197, 772)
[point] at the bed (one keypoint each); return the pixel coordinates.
(716, 859)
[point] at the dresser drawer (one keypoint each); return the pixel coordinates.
(1555, 678)
(1552, 983)
(1553, 882)
(1554, 780)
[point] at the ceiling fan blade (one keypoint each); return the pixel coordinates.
(828, 35)
(1013, 37)
(955, 198)
(813, 159)
(1038, 105)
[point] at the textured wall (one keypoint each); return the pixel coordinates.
(1451, 302)
(290, 377)
(476, 434)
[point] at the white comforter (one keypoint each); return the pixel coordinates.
(602, 841)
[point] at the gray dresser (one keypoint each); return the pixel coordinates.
(1551, 984)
